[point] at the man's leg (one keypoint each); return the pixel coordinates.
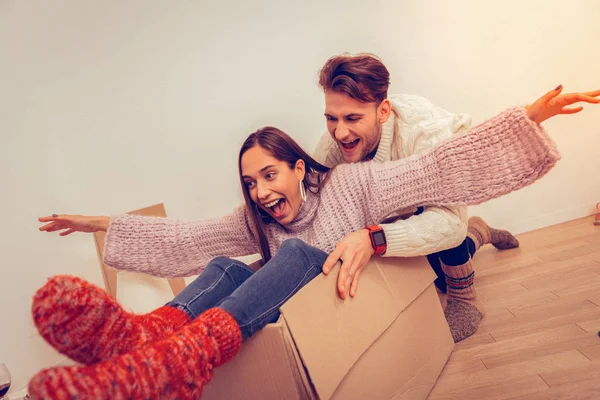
(462, 313)
(436, 264)
(482, 234)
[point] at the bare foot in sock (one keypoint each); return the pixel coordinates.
(500, 239)
(83, 322)
(463, 318)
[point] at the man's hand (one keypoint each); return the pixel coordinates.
(355, 251)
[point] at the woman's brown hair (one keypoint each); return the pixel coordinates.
(285, 149)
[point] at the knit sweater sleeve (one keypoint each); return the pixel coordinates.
(435, 229)
(422, 125)
(171, 248)
(501, 155)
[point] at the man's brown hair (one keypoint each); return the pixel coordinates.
(362, 77)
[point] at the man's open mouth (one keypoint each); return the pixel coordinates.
(350, 145)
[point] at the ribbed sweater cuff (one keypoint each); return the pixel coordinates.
(397, 240)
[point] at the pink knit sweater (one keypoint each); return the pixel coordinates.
(503, 154)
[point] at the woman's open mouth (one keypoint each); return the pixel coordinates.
(277, 208)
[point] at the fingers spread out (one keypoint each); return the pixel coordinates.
(346, 275)
(47, 227)
(571, 110)
(577, 97)
(55, 228)
(333, 258)
(594, 93)
(354, 287)
(551, 94)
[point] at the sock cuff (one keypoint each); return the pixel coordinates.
(475, 237)
(460, 280)
(480, 230)
(460, 283)
(171, 314)
(222, 327)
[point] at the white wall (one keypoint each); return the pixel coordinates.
(110, 106)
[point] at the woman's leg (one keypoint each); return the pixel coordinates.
(256, 303)
(221, 277)
(83, 322)
(179, 366)
(176, 367)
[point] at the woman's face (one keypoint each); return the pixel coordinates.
(272, 184)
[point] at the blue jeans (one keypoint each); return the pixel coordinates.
(252, 298)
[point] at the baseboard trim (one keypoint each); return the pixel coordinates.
(543, 221)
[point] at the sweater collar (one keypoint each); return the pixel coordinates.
(306, 214)
(384, 149)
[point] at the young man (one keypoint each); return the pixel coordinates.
(365, 125)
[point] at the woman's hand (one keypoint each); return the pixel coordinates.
(355, 252)
(554, 103)
(74, 223)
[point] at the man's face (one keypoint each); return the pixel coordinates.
(354, 125)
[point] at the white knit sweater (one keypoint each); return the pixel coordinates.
(415, 126)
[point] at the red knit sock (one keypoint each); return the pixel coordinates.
(176, 367)
(83, 322)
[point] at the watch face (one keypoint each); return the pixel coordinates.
(378, 238)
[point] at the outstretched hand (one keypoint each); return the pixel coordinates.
(73, 223)
(554, 103)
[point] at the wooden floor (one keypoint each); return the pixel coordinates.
(539, 337)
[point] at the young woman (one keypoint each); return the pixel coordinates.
(295, 212)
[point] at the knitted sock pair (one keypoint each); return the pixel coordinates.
(157, 355)
(83, 322)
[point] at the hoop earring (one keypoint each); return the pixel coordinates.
(302, 190)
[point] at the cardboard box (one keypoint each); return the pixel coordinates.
(390, 342)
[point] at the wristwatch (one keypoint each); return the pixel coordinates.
(378, 240)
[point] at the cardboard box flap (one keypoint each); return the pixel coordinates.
(274, 348)
(324, 327)
(408, 276)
